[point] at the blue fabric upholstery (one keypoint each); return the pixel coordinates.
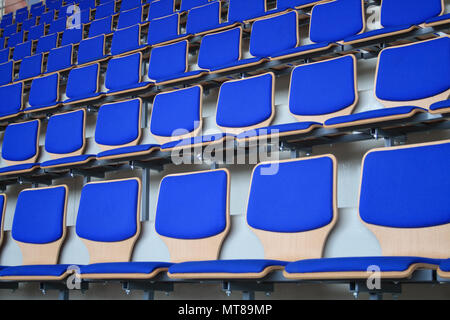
(182, 214)
(101, 26)
(44, 91)
(25, 132)
(46, 43)
(180, 76)
(203, 18)
(9, 30)
(47, 17)
(194, 140)
(277, 129)
(336, 20)
(15, 39)
(445, 265)
(6, 20)
(439, 18)
(6, 73)
(129, 4)
(38, 9)
(225, 266)
(239, 11)
(414, 72)
(88, 4)
(67, 160)
(301, 193)
(59, 58)
(273, 35)
(123, 115)
(123, 267)
(65, 132)
(415, 183)
(108, 211)
(91, 49)
(445, 104)
(126, 39)
(355, 264)
(30, 67)
(53, 4)
(168, 60)
(376, 32)
(105, 10)
(36, 32)
(301, 49)
(54, 270)
(130, 17)
(82, 83)
(245, 102)
(336, 77)
(408, 12)
(39, 215)
(176, 112)
(28, 24)
(163, 29)
(189, 4)
(22, 50)
(124, 73)
(26, 167)
(160, 8)
(220, 49)
(11, 101)
(127, 150)
(58, 25)
(72, 36)
(4, 55)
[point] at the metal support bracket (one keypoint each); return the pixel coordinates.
(61, 287)
(393, 288)
(248, 289)
(149, 288)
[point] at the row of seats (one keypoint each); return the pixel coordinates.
(406, 83)
(403, 201)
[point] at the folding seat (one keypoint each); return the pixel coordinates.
(38, 10)
(399, 17)
(22, 50)
(130, 17)
(36, 32)
(86, 4)
(124, 75)
(60, 59)
(169, 63)
(58, 25)
(11, 102)
(72, 36)
(7, 19)
(46, 43)
(244, 11)
(39, 229)
(21, 14)
(29, 23)
(105, 10)
(187, 5)
(65, 140)
(160, 8)
(444, 269)
(44, 93)
(409, 80)
(395, 207)
(31, 67)
(125, 142)
(100, 26)
(92, 49)
(127, 40)
(47, 17)
(6, 73)
(83, 85)
(15, 39)
(165, 30)
(205, 19)
(53, 4)
(20, 157)
(129, 4)
(4, 55)
(9, 30)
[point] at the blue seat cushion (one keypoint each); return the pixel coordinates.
(65, 132)
(20, 141)
(445, 265)
(91, 49)
(376, 32)
(163, 29)
(119, 80)
(127, 150)
(225, 266)
(160, 9)
(67, 160)
(356, 264)
(132, 87)
(238, 63)
(204, 18)
(43, 106)
(19, 167)
(301, 49)
(52, 270)
(179, 76)
(44, 91)
(439, 18)
(125, 40)
(194, 140)
(376, 115)
(220, 49)
(445, 104)
(83, 83)
(11, 101)
(123, 267)
(83, 97)
(168, 60)
(277, 129)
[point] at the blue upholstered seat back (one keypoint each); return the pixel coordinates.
(65, 132)
(105, 10)
(57, 25)
(9, 30)
(123, 71)
(245, 102)
(53, 4)
(100, 26)
(414, 72)
(46, 43)
(123, 115)
(163, 29)
(160, 8)
(274, 34)
(86, 4)
(6, 73)
(44, 90)
(239, 11)
(189, 4)
(47, 17)
(125, 40)
(408, 12)
(39, 215)
(72, 36)
(91, 49)
(406, 187)
(59, 58)
(29, 23)
(11, 101)
(182, 213)
(20, 141)
(15, 39)
(309, 82)
(168, 60)
(203, 18)
(108, 211)
(22, 50)
(129, 18)
(220, 49)
(336, 20)
(176, 112)
(36, 32)
(299, 197)
(129, 4)
(82, 81)
(30, 66)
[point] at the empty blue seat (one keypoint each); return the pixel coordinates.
(20, 157)
(444, 269)
(37, 10)
(168, 63)
(72, 36)
(22, 50)
(92, 49)
(15, 39)
(187, 5)
(39, 227)
(394, 205)
(46, 43)
(47, 17)
(205, 19)
(165, 30)
(437, 21)
(7, 19)
(21, 14)
(129, 4)
(36, 32)
(4, 55)
(29, 23)
(105, 10)
(60, 59)
(160, 8)
(31, 67)
(58, 25)
(6, 73)
(86, 4)
(440, 107)
(9, 30)
(129, 18)
(83, 85)
(44, 93)
(240, 11)
(11, 102)
(101, 26)
(126, 40)
(65, 140)
(53, 4)
(124, 74)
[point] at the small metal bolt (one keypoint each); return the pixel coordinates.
(355, 295)
(228, 293)
(127, 291)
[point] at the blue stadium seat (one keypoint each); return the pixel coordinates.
(9, 30)
(22, 50)
(165, 30)
(20, 157)
(187, 5)
(92, 49)
(160, 8)
(440, 107)
(31, 67)
(7, 19)
(37, 9)
(27, 24)
(72, 36)
(124, 74)
(444, 269)
(36, 32)
(46, 43)
(101, 26)
(44, 93)
(127, 40)
(83, 85)
(129, 4)
(402, 201)
(169, 63)
(86, 4)
(58, 25)
(130, 17)
(437, 21)
(15, 39)
(241, 11)
(53, 4)
(39, 227)
(21, 14)
(205, 19)
(65, 140)
(6, 73)
(105, 10)
(4, 55)
(11, 103)
(60, 59)
(47, 17)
